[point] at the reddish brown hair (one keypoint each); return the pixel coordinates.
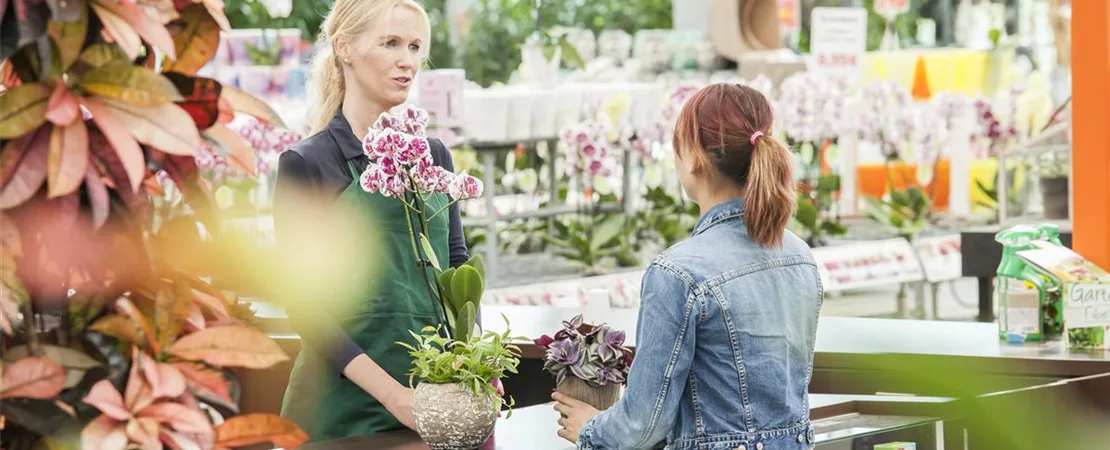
(716, 127)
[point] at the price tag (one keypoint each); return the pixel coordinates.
(838, 39)
(891, 8)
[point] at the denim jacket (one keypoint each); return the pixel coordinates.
(724, 346)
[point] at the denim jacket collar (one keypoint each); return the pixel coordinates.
(729, 209)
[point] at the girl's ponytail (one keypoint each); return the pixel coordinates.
(326, 87)
(769, 196)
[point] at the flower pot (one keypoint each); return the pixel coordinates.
(1054, 195)
(601, 398)
(452, 417)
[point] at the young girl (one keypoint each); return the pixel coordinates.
(732, 310)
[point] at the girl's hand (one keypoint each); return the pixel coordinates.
(575, 414)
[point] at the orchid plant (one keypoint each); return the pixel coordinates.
(597, 356)
(401, 167)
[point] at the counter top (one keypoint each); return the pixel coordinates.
(534, 428)
(848, 335)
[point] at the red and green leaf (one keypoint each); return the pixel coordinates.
(149, 29)
(34, 377)
(119, 30)
(69, 36)
(201, 98)
(229, 346)
(23, 109)
(245, 103)
(62, 109)
(99, 200)
(68, 161)
(119, 327)
(196, 41)
(207, 384)
(128, 154)
(232, 146)
(165, 127)
(29, 170)
(251, 429)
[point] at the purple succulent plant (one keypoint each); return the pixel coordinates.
(597, 356)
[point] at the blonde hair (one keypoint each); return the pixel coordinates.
(348, 19)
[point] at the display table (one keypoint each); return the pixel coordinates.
(852, 355)
(981, 255)
(858, 420)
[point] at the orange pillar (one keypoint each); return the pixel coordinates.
(1090, 61)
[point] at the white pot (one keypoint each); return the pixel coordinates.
(451, 416)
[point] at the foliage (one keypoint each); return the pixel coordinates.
(490, 51)
(474, 363)
(112, 337)
(587, 239)
(597, 355)
(305, 16)
(462, 290)
(905, 212)
(670, 219)
(1087, 337)
(814, 203)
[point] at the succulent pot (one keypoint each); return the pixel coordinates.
(1054, 194)
(452, 417)
(600, 397)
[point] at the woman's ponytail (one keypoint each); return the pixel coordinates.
(326, 87)
(769, 196)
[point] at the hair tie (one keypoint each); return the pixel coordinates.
(755, 136)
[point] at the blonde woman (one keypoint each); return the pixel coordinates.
(350, 378)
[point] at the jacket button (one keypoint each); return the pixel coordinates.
(758, 446)
(801, 438)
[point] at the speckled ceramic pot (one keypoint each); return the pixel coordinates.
(452, 417)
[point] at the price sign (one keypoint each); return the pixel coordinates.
(790, 12)
(838, 39)
(891, 8)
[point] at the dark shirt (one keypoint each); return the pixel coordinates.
(320, 162)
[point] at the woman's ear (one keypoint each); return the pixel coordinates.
(342, 48)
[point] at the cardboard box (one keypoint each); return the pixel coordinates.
(1085, 293)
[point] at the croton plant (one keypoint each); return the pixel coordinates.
(111, 339)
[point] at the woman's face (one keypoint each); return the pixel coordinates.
(393, 54)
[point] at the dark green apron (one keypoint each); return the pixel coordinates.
(323, 402)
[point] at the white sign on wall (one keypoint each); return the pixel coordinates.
(838, 40)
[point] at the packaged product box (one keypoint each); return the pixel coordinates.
(896, 446)
(1084, 289)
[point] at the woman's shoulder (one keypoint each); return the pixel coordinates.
(441, 155)
(314, 147)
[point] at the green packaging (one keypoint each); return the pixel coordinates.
(1019, 289)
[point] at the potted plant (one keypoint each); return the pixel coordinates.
(590, 363)
(457, 400)
(1053, 172)
(111, 338)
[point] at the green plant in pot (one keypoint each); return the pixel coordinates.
(1053, 171)
(456, 401)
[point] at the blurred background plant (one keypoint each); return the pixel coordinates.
(114, 334)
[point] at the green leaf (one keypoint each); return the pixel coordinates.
(429, 252)
(570, 54)
(477, 263)
(135, 85)
(806, 214)
(23, 109)
(97, 55)
(606, 231)
(444, 280)
(464, 325)
(69, 36)
(828, 183)
(833, 228)
(466, 287)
